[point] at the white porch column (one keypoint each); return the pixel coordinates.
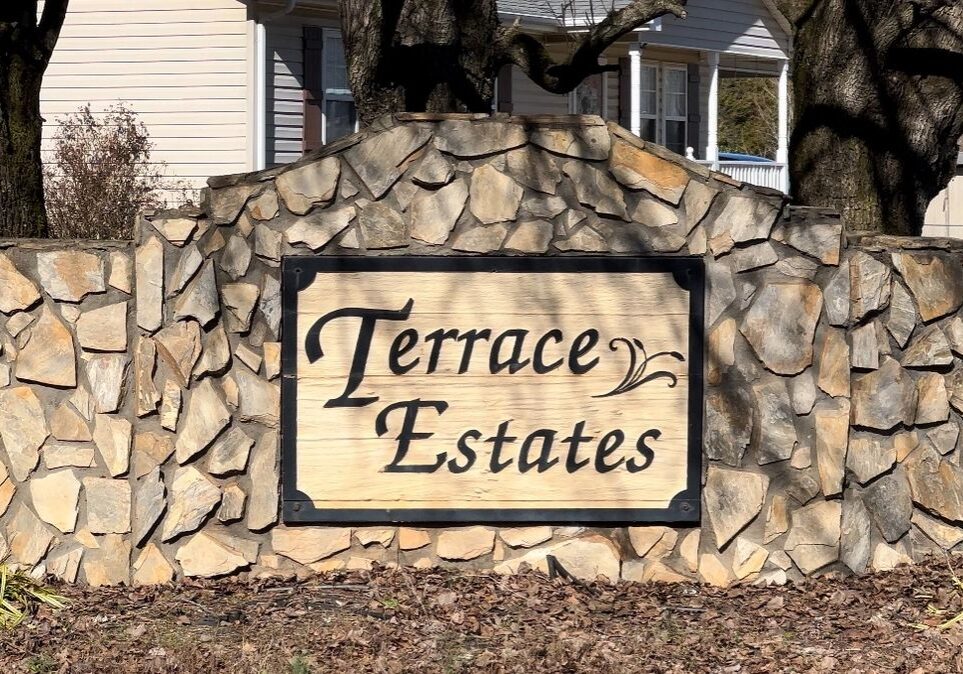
(635, 87)
(712, 137)
(782, 147)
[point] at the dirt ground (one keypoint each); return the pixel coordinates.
(442, 621)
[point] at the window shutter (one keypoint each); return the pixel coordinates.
(694, 124)
(505, 89)
(625, 101)
(313, 87)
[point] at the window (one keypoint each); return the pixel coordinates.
(674, 104)
(663, 98)
(329, 109)
(339, 116)
(649, 102)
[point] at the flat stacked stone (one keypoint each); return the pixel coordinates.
(140, 385)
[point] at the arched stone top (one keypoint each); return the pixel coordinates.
(485, 184)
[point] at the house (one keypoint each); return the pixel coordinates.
(226, 86)
(944, 217)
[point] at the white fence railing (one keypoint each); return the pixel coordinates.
(764, 174)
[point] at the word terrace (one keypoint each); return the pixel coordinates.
(511, 351)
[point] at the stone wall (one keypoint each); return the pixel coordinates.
(139, 383)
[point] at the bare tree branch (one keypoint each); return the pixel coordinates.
(795, 11)
(531, 56)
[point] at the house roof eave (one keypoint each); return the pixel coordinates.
(781, 19)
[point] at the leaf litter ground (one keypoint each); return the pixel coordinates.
(457, 621)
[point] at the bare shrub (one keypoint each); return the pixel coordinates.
(99, 174)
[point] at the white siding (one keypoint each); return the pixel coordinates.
(285, 104)
(734, 26)
(944, 217)
(181, 65)
(612, 97)
(530, 99)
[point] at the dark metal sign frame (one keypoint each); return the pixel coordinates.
(297, 272)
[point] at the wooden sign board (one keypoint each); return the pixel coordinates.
(466, 389)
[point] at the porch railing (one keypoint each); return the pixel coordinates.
(764, 174)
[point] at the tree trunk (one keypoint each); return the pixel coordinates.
(444, 55)
(424, 56)
(878, 110)
(25, 49)
(22, 212)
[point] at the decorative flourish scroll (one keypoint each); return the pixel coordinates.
(636, 376)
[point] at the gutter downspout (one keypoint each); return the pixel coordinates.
(260, 97)
(260, 82)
